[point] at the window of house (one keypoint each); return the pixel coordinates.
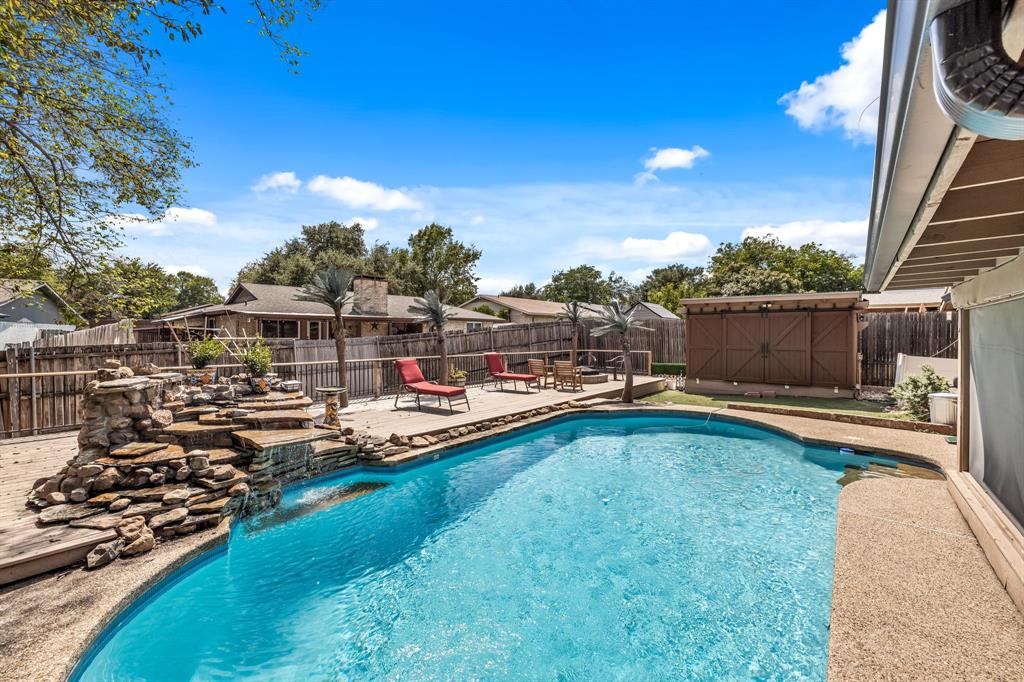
(279, 329)
(314, 330)
(474, 326)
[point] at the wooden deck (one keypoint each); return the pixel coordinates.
(485, 403)
(27, 549)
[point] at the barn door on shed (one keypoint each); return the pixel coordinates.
(744, 350)
(704, 346)
(831, 349)
(789, 348)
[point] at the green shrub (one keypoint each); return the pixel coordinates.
(456, 374)
(670, 368)
(201, 352)
(911, 394)
(256, 358)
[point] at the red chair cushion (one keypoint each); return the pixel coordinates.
(409, 370)
(495, 364)
(512, 376)
(428, 388)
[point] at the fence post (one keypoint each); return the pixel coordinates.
(377, 379)
(14, 391)
(32, 390)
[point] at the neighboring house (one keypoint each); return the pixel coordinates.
(273, 312)
(948, 211)
(907, 300)
(30, 310)
(27, 301)
(645, 310)
(524, 310)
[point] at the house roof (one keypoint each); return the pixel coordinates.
(530, 306)
(274, 299)
(947, 203)
(905, 298)
(11, 289)
(657, 309)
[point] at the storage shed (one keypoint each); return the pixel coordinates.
(793, 344)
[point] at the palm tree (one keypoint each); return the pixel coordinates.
(573, 314)
(332, 288)
(613, 319)
(435, 313)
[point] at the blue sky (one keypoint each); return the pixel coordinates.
(626, 135)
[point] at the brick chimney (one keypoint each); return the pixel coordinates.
(370, 295)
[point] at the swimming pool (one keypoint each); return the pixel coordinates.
(624, 547)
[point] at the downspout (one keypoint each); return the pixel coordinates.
(977, 84)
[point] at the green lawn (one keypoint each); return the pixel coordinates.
(844, 405)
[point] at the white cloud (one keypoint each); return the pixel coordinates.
(668, 158)
(174, 217)
(845, 236)
(282, 180)
(367, 223)
(477, 220)
(846, 98)
(192, 269)
(495, 285)
(674, 246)
(359, 194)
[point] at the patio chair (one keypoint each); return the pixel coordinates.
(537, 367)
(496, 368)
(565, 372)
(413, 381)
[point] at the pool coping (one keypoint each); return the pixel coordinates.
(142, 576)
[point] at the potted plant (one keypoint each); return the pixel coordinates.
(256, 359)
(202, 353)
(456, 377)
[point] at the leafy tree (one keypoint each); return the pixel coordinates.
(624, 292)
(583, 283)
(764, 265)
(911, 394)
(122, 288)
(485, 309)
(432, 309)
(321, 246)
(194, 290)
(669, 295)
(332, 287)
(83, 136)
(615, 321)
(675, 279)
(436, 261)
(528, 290)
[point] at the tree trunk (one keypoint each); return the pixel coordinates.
(442, 350)
(575, 344)
(627, 368)
(339, 344)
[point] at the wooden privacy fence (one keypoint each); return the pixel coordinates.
(930, 334)
(41, 388)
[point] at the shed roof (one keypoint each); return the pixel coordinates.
(829, 300)
(657, 309)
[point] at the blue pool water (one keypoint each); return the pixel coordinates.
(621, 547)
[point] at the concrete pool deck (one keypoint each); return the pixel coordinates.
(913, 595)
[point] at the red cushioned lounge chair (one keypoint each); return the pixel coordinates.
(413, 381)
(496, 368)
